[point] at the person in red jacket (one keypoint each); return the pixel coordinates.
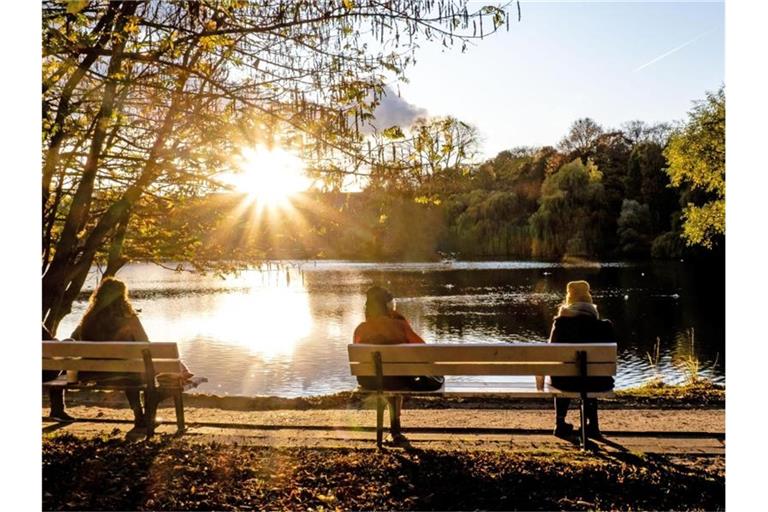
(385, 326)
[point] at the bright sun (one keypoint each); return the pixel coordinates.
(270, 176)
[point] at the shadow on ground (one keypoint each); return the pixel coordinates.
(166, 472)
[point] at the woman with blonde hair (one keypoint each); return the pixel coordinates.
(110, 317)
(578, 321)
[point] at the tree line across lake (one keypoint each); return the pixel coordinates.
(641, 191)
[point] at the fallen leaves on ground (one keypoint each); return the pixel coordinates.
(168, 473)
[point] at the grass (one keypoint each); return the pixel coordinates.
(169, 473)
(694, 387)
(699, 391)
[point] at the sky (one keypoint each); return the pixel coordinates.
(613, 62)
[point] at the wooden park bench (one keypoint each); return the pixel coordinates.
(158, 363)
(534, 359)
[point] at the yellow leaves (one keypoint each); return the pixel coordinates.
(703, 223)
(210, 25)
(132, 26)
(204, 67)
(594, 173)
(75, 6)
(696, 155)
(209, 43)
(393, 132)
(427, 200)
(348, 4)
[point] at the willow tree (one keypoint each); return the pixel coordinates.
(144, 103)
(567, 222)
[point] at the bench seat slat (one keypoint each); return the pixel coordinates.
(486, 368)
(109, 349)
(476, 389)
(111, 365)
(61, 382)
(412, 353)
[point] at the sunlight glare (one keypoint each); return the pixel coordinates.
(270, 176)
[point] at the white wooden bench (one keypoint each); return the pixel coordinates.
(148, 359)
(498, 359)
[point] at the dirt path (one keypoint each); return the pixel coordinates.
(674, 432)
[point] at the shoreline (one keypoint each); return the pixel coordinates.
(703, 395)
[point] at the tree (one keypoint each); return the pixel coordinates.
(412, 156)
(145, 101)
(696, 155)
(581, 138)
(488, 224)
(634, 228)
(567, 221)
(647, 182)
(638, 132)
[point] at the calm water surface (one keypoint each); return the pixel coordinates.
(283, 330)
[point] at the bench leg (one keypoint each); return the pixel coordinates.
(380, 403)
(395, 406)
(583, 422)
(150, 411)
(179, 403)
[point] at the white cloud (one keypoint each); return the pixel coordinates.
(394, 110)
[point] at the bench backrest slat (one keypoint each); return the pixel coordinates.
(557, 359)
(111, 365)
(109, 356)
(109, 349)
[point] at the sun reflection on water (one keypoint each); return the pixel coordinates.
(269, 319)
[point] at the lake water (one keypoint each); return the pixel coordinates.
(284, 330)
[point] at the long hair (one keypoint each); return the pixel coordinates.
(107, 309)
(376, 302)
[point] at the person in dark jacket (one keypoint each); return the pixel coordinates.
(578, 321)
(385, 326)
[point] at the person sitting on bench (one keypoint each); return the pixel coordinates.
(110, 317)
(385, 326)
(578, 321)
